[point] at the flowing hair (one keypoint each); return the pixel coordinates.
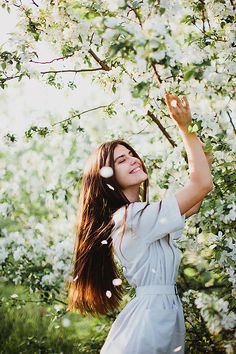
(94, 266)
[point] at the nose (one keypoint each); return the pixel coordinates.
(133, 160)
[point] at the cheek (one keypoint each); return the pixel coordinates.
(121, 175)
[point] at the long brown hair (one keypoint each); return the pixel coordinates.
(94, 265)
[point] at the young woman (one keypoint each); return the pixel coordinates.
(116, 218)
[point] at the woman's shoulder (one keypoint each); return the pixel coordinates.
(130, 209)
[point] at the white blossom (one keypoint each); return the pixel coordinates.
(117, 281)
(108, 293)
(106, 172)
(66, 322)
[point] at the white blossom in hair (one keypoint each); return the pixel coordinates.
(108, 293)
(117, 281)
(104, 242)
(106, 172)
(177, 349)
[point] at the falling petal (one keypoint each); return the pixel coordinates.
(104, 242)
(14, 296)
(173, 103)
(153, 270)
(109, 186)
(117, 281)
(66, 322)
(177, 349)
(108, 293)
(75, 278)
(106, 172)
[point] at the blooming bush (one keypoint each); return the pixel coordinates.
(135, 50)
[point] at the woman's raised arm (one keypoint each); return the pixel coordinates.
(200, 181)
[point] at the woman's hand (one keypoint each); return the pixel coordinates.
(179, 110)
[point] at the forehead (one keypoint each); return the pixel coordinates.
(119, 150)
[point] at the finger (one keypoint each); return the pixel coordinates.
(166, 95)
(177, 99)
(186, 104)
(173, 101)
(170, 98)
(167, 99)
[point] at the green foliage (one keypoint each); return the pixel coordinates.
(33, 327)
(134, 50)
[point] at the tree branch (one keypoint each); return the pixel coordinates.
(160, 126)
(9, 78)
(51, 61)
(68, 71)
(99, 61)
(79, 114)
(35, 3)
(156, 73)
(203, 15)
(232, 3)
(231, 121)
(136, 14)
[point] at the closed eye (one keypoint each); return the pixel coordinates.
(130, 153)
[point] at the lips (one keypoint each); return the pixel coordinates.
(136, 169)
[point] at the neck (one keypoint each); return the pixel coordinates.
(132, 194)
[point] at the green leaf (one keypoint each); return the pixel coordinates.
(140, 89)
(4, 65)
(162, 10)
(195, 128)
(189, 74)
(18, 66)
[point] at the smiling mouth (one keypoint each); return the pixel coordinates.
(136, 170)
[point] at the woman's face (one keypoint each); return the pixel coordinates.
(128, 169)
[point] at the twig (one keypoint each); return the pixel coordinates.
(35, 3)
(156, 73)
(136, 14)
(68, 71)
(79, 114)
(231, 121)
(52, 72)
(232, 3)
(9, 78)
(160, 126)
(99, 61)
(203, 15)
(51, 61)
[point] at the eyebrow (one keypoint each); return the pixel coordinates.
(121, 156)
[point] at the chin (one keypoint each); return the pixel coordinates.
(145, 176)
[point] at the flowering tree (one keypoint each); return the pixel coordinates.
(135, 50)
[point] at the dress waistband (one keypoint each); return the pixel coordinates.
(170, 289)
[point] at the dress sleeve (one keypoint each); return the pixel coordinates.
(155, 220)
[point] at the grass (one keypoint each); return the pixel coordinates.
(32, 328)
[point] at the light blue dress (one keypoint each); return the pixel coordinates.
(153, 321)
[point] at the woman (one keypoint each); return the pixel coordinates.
(113, 220)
